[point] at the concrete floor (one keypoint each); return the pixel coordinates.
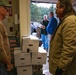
(46, 68)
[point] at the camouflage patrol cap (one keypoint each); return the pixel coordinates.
(4, 3)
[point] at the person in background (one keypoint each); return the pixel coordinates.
(32, 28)
(62, 54)
(51, 26)
(5, 56)
(44, 35)
(38, 32)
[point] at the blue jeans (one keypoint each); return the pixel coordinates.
(3, 70)
(45, 41)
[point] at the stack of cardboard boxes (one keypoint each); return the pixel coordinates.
(28, 58)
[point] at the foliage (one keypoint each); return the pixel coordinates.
(43, 11)
(38, 12)
(35, 13)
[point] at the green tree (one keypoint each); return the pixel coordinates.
(43, 11)
(35, 13)
(38, 12)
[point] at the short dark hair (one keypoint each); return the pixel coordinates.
(51, 13)
(68, 6)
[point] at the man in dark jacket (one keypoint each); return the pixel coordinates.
(44, 34)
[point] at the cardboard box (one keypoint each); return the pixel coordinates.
(25, 70)
(31, 46)
(39, 58)
(25, 40)
(17, 50)
(22, 59)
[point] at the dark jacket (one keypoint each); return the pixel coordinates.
(45, 23)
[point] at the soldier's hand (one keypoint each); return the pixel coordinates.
(9, 67)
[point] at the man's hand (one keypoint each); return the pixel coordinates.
(58, 71)
(43, 27)
(9, 67)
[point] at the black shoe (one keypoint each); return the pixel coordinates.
(46, 50)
